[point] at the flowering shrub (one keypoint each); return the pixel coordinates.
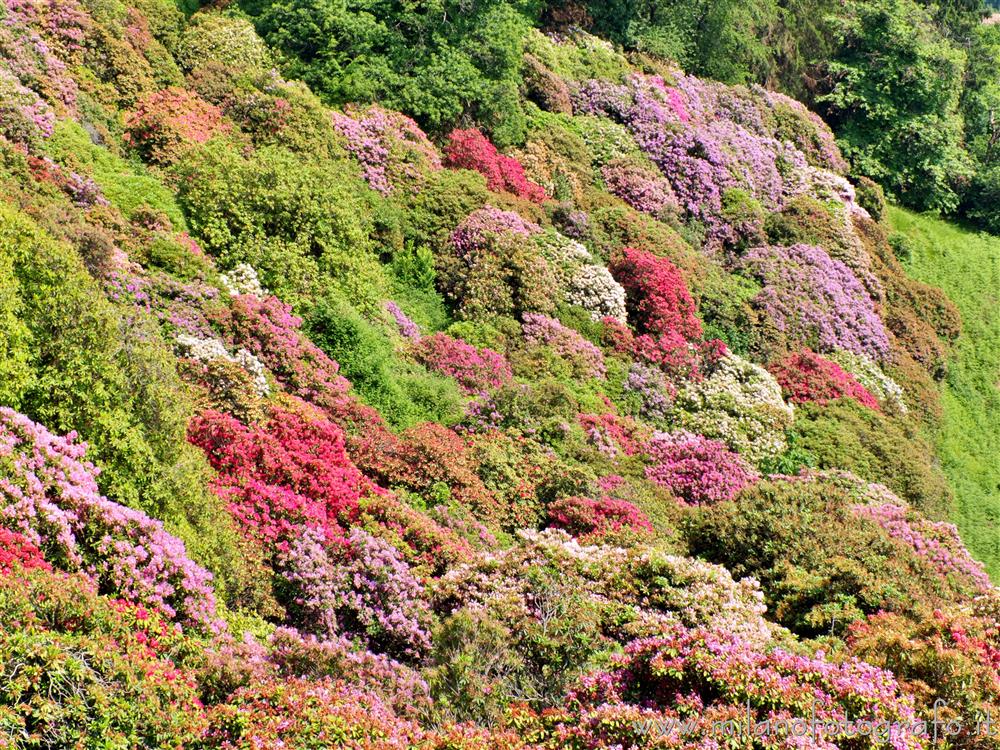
(470, 149)
(282, 477)
(494, 270)
(697, 470)
(647, 392)
(24, 116)
(164, 123)
(50, 497)
(740, 404)
(595, 520)
(642, 188)
(936, 542)
(658, 299)
(816, 301)
(207, 351)
(406, 327)
(17, 553)
(363, 588)
(241, 280)
(474, 370)
(704, 680)
(80, 669)
(582, 281)
(392, 150)
(266, 328)
(612, 434)
(870, 376)
(805, 376)
(584, 359)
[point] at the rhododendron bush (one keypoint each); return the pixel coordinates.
(470, 149)
(695, 469)
(806, 376)
(51, 498)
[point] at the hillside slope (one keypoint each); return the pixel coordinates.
(321, 429)
(966, 266)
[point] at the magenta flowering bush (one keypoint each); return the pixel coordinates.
(474, 369)
(391, 148)
(706, 681)
(697, 470)
(49, 494)
(936, 542)
(363, 588)
(816, 301)
(585, 359)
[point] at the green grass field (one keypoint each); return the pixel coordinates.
(966, 265)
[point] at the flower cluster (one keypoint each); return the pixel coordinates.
(585, 359)
(51, 497)
(283, 477)
(936, 542)
(806, 376)
(390, 147)
(592, 520)
(740, 404)
(207, 351)
(493, 270)
(650, 391)
(816, 301)
(584, 282)
(166, 122)
(475, 370)
(643, 188)
(17, 552)
(872, 379)
(470, 149)
(658, 299)
(363, 588)
(704, 680)
(697, 470)
(242, 279)
(24, 116)
(406, 327)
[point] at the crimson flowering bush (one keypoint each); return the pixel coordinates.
(657, 297)
(585, 360)
(936, 542)
(17, 552)
(470, 149)
(50, 497)
(806, 376)
(474, 369)
(705, 680)
(697, 470)
(391, 148)
(591, 520)
(280, 478)
(166, 122)
(816, 301)
(362, 587)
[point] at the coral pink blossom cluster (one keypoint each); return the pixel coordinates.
(49, 495)
(474, 369)
(470, 149)
(697, 470)
(165, 122)
(806, 376)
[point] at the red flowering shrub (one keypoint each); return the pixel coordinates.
(594, 520)
(658, 299)
(470, 149)
(474, 369)
(806, 376)
(278, 478)
(697, 470)
(16, 551)
(164, 123)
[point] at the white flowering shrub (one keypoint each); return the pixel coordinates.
(243, 279)
(740, 404)
(584, 282)
(870, 375)
(207, 351)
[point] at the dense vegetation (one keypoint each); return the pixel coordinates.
(446, 376)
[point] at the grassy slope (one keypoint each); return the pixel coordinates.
(966, 265)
